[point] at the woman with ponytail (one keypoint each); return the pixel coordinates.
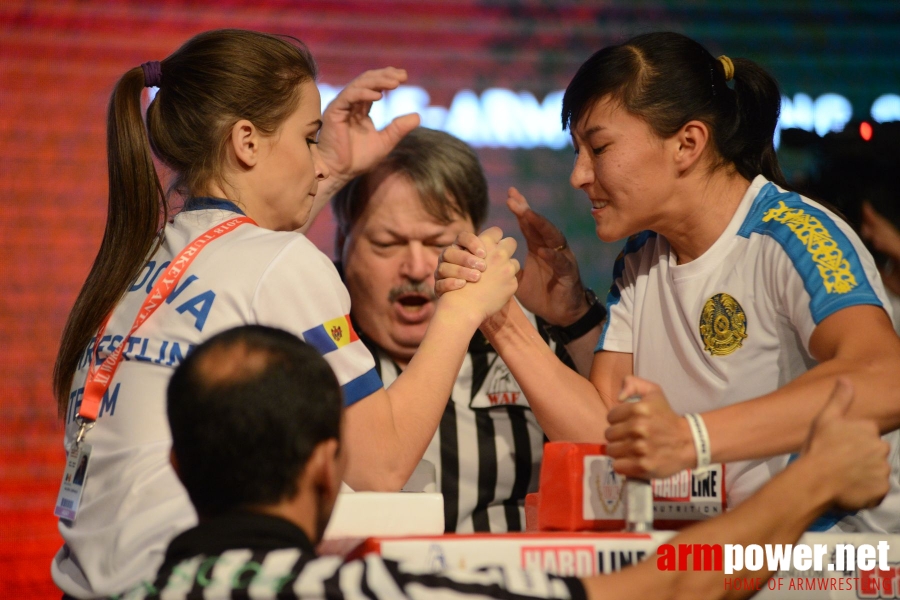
(736, 304)
(237, 122)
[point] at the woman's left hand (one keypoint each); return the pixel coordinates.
(647, 439)
(495, 286)
(349, 142)
(549, 284)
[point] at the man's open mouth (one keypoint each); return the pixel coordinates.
(413, 302)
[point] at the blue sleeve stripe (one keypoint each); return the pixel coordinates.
(823, 255)
(611, 299)
(319, 339)
(365, 385)
(632, 245)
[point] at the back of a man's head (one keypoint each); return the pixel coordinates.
(246, 410)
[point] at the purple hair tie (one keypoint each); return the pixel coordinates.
(152, 73)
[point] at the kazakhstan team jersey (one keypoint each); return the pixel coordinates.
(133, 503)
(735, 323)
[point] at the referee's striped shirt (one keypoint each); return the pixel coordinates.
(255, 557)
(487, 450)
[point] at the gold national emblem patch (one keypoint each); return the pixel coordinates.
(723, 325)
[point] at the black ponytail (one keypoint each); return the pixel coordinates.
(668, 79)
(758, 104)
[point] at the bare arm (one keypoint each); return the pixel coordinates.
(567, 406)
(843, 465)
(549, 283)
(581, 350)
(387, 432)
(857, 343)
(557, 394)
(779, 513)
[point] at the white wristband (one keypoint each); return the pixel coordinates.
(701, 439)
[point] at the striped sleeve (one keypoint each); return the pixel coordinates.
(301, 292)
(385, 578)
(285, 574)
(823, 267)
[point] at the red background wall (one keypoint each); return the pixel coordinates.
(60, 58)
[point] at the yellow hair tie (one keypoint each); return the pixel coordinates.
(728, 66)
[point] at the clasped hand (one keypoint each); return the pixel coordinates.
(647, 439)
(494, 280)
(549, 284)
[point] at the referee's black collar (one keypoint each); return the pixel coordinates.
(478, 343)
(238, 529)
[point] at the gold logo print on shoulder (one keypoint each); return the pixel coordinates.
(833, 267)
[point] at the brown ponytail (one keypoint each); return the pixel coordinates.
(214, 80)
(135, 208)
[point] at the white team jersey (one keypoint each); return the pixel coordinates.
(488, 448)
(735, 323)
(133, 503)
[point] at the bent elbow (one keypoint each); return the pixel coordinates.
(376, 478)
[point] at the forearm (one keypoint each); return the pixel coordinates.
(778, 513)
(389, 434)
(421, 393)
(581, 350)
(566, 405)
(777, 423)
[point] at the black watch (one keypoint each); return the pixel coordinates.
(593, 317)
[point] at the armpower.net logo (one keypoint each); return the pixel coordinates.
(801, 567)
(860, 569)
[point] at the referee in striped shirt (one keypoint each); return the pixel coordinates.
(392, 224)
(255, 415)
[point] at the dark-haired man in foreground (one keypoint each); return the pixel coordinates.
(256, 417)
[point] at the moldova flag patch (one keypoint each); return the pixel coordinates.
(331, 335)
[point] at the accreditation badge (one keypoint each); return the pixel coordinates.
(73, 481)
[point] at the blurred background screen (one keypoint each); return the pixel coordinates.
(490, 72)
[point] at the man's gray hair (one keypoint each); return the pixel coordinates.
(444, 170)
